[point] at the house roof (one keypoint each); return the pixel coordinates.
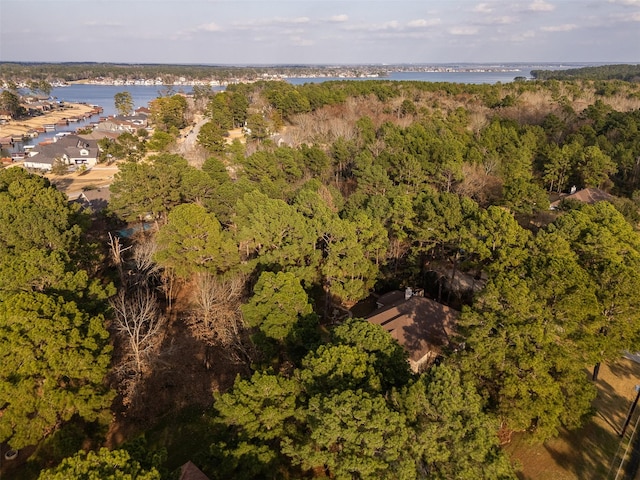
(189, 471)
(97, 199)
(586, 195)
(69, 146)
(113, 124)
(138, 117)
(99, 135)
(419, 324)
(390, 298)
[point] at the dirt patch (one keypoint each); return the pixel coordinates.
(74, 183)
(236, 134)
(179, 379)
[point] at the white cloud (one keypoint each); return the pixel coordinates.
(270, 22)
(482, 8)
(189, 32)
(301, 41)
(373, 27)
(297, 20)
(208, 27)
(421, 23)
(630, 3)
(541, 6)
(95, 23)
(526, 35)
(463, 30)
(339, 18)
(567, 27)
(504, 20)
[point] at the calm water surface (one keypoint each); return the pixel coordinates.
(451, 77)
(103, 95)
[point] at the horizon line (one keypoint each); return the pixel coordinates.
(318, 64)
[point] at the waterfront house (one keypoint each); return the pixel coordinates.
(142, 111)
(122, 123)
(71, 149)
(5, 115)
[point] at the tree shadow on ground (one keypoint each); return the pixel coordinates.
(178, 379)
(611, 406)
(61, 183)
(591, 451)
(625, 369)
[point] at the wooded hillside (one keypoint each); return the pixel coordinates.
(240, 292)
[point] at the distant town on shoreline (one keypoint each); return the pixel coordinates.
(59, 74)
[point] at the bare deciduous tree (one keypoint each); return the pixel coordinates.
(216, 317)
(116, 248)
(142, 257)
(342, 128)
(139, 323)
(478, 183)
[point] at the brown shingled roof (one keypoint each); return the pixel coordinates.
(189, 471)
(586, 195)
(421, 325)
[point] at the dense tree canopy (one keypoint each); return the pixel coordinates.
(52, 338)
(193, 241)
(277, 304)
(123, 102)
(10, 101)
(339, 415)
(371, 186)
(150, 189)
(54, 359)
(103, 464)
(168, 113)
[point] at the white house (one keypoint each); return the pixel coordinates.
(71, 149)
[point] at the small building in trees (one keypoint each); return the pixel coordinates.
(189, 471)
(96, 199)
(421, 325)
(586, 195)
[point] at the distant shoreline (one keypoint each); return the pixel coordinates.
(218, 75)
(23, 127)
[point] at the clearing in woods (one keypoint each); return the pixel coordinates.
(595, 450)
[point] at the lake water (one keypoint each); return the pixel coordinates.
(142, 94)
(103, 95)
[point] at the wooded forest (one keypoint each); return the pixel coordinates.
(226, 327)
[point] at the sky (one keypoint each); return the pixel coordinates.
(241, 32)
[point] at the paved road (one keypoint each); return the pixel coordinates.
(189, 143)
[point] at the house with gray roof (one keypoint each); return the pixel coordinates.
(123, 123)
(73, 150)
(96, 199)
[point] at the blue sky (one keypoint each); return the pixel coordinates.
(320, 31)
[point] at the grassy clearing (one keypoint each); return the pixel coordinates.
(594, 451)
